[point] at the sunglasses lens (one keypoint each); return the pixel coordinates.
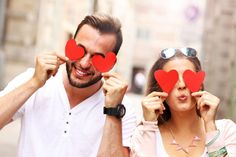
(189, 52)
(167, 53)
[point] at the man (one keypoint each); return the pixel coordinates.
(62, 116)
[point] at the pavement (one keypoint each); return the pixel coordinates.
(9, 138)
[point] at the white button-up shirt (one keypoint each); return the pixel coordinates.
(50, 128)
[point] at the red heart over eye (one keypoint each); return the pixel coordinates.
(104, 64)
(193, 80)
(73, 52)
(166, 80)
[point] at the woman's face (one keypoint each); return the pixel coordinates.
(180, 98)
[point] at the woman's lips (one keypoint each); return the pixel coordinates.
(182, 97)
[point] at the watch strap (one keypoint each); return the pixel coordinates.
(118, 111)
(110, 111)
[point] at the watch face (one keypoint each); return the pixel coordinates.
(121, 110)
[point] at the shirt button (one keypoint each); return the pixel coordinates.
(67, 122)
(65, 132)
(70, 113)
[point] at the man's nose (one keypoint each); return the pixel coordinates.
(85, 62)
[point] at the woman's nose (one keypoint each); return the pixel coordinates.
(181, 83)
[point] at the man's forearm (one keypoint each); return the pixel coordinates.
(111, 144)
(11, 102)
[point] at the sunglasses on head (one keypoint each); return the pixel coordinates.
(170, 52)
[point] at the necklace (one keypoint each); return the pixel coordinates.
(180, 147)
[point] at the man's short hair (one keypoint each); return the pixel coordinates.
(105, 24)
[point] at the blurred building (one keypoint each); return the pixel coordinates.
(219, 47)
(164, 24)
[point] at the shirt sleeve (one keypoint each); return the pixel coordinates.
(16, 82)
(143, 141)
(128, 122)
(226, 138)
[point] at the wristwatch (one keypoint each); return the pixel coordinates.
(118, 111)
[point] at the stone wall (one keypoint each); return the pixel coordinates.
(219, 50)
(20, 29)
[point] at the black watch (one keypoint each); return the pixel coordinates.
(118, 111)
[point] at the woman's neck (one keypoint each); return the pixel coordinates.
(183, 134)
(183, 121)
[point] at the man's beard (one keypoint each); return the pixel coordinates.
(80, 85)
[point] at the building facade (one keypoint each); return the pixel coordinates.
(219, 48)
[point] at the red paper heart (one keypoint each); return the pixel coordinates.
(73, 52)
(166, 80)
(104, 64)
(193, 80)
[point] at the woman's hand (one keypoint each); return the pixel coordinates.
(207, 104)
(153, 105)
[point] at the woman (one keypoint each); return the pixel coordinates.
(181, 122)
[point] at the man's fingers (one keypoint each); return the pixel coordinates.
(108, 74)
(50, 61)
(114, 82)
(60, 62)
(62, 57)
(51, 69)
(55, 56)
(111, 74)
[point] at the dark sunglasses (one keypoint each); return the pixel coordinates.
(170, 52)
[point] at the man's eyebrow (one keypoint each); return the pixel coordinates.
(82, 47)
(99, 53)
(94, 53)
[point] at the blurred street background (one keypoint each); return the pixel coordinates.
(30, 27)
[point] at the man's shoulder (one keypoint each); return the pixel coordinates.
(24, 76)
(19, 79)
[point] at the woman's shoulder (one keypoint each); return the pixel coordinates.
(225, 122)
(226, 125)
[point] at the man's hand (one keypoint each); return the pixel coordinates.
(153, 105)
(47, 66)
(114, 88)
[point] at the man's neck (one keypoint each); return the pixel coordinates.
(77, 95)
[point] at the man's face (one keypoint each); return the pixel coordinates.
(81, 73)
